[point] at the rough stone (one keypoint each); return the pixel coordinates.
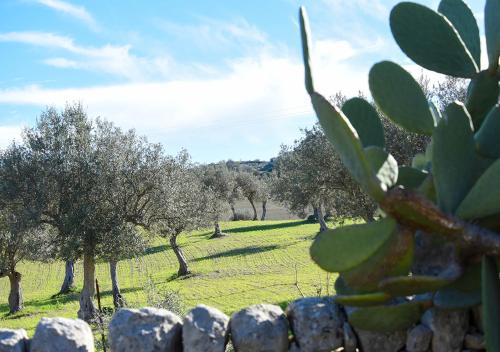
(205, 329)
(350, 340)
(13, 340)
(448, 328)
(474, 342)
(294, 347)
(62, 335)
(477, 318)
(261, 327)
(145, 330)
(418, 339)
(316, 323)
(370, 341)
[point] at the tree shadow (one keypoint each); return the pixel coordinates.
(267, 227)
(122, 290)
(238, 251)
(156, 249)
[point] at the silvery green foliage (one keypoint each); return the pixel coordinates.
(310, 174)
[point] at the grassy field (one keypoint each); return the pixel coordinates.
(257, 262)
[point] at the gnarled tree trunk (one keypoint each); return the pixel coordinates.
(88, 310)
(217, 232)
(183, 265)
(69, 277)
(254, 209)
(16, 293)
(233, 210)
(318, 212)
(264, 210)
(118, 300)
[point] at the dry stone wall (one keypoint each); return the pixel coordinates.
(308, 325)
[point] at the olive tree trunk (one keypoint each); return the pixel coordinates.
(318, 212)
(183, 265)
(217, 232)
(69, 277)
(264, 210)
(16, 293)
(233, 210)
(254, 209)
(118, 300)
(88, 310)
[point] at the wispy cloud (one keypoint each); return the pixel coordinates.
(78, 12)
(111, 59)
(260, 87)
(209, 33)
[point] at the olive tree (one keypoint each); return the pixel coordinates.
(264, 192)
(180, 204)
(20, 237)
(310, 173)
(217, 182)
(248, 183)
(93, 179)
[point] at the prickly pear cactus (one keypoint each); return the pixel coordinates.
(451, 194)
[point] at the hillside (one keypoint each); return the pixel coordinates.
(257, 262)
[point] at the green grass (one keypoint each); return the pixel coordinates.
(258, 262)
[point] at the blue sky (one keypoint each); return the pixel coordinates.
(222, 79)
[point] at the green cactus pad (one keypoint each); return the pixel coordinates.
(453, 157)
(386, 319)
(484, 198)
(341, 287)
(419, 161)
(411, 178)
(430, 40)
(394, 258)
(383, 165)
(462, 293)
(492, 31)
(491, 303)
(400, 97)
(482, 95)
(363, 300)
(305, 34)
(411, 285)
(345, 140)
(487, 137)
(343, 248)
(366, 121)
(461, 17)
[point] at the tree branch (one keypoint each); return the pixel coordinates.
(414, 210)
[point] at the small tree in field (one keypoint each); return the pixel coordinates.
(93, 179)
(249, 186)
(311, 174)
(264, 192)
(220, 185)
(180, 205)
(20, 236)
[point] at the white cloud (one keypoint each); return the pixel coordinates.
(262, 88)
(111, 59)
(8, 134)
(209, 33)
(78, 12)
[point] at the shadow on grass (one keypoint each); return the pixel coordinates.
(238, 251)
(280, 225)
(156, 249)
(60, 299)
